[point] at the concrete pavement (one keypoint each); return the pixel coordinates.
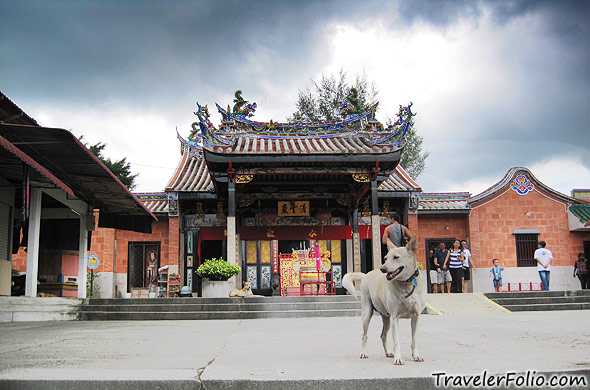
(304, 353)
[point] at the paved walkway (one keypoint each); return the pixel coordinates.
(302, 353)
(462, 304)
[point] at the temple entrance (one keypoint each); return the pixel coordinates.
(268, 263)
(432, 244)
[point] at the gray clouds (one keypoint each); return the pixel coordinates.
(108, 67)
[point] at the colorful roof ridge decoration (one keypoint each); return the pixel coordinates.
(581, 194)
(520, 179)
(155, 202)
(443, 201)
(521, 184)
(357, 132)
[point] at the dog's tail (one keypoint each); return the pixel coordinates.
(348, 282)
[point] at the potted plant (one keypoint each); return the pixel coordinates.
(216, 274)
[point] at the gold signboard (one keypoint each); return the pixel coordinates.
(296, 208)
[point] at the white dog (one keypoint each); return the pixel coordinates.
(395, 291)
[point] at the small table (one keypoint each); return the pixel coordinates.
(322, 279)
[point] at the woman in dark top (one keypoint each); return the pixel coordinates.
(581, 269)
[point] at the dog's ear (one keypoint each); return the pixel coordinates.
(412, 245)
(390, 245)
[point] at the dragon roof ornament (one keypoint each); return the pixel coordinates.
(237, 122)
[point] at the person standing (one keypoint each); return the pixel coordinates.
(396, 233)
(544, 258)
(581, 269)
(443, 275)
(467, 265)
(454, 261)
(432, 271)
(496, 271)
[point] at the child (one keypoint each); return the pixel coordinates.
(497, 271)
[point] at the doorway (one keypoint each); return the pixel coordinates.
(431, 245)
(144, 261)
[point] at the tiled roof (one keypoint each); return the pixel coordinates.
(447, 201)
(252, 144)
(11, 113)
(399, 180)
(581, 211)
(191, 175)
(154, 202)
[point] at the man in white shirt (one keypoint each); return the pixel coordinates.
(544, 258)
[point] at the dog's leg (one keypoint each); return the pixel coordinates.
(415, 353)
(397, 355)
(367, 314)
(384, 333)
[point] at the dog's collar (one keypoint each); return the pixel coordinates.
(412, 279)
(414, 275)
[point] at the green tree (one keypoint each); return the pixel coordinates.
(321, 103)
(120, 168)
(413, 158)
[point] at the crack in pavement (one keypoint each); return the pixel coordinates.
(201, 370)
(35, 345)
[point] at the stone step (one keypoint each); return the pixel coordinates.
(219, 308)
(186, 307)
(542, 300)
(18, 309)
(548, 307)
(544, 294)
(214, 315)
(167, 301)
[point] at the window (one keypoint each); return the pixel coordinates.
(526, 244)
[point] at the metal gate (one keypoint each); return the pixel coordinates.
(140, 256)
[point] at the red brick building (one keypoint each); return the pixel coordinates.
(499, 223)
(230, 193)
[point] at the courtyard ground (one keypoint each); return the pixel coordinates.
(298, 353)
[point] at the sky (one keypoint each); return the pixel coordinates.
(495, 84)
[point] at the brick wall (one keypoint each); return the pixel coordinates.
(492, 225)
(103, 244)
(433, 226)
(173, 231)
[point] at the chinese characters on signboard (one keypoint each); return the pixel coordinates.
(296, 208)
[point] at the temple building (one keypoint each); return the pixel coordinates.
(260, 194)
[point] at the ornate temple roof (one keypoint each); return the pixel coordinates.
(357, 133)
(192, 175)
(339, 156)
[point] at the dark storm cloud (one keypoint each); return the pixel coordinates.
(146, 49)
(166, 54)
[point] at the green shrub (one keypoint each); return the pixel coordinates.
(92, 276)
(217, 269)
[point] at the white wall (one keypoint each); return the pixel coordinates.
(107, 282)
(560, 278)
